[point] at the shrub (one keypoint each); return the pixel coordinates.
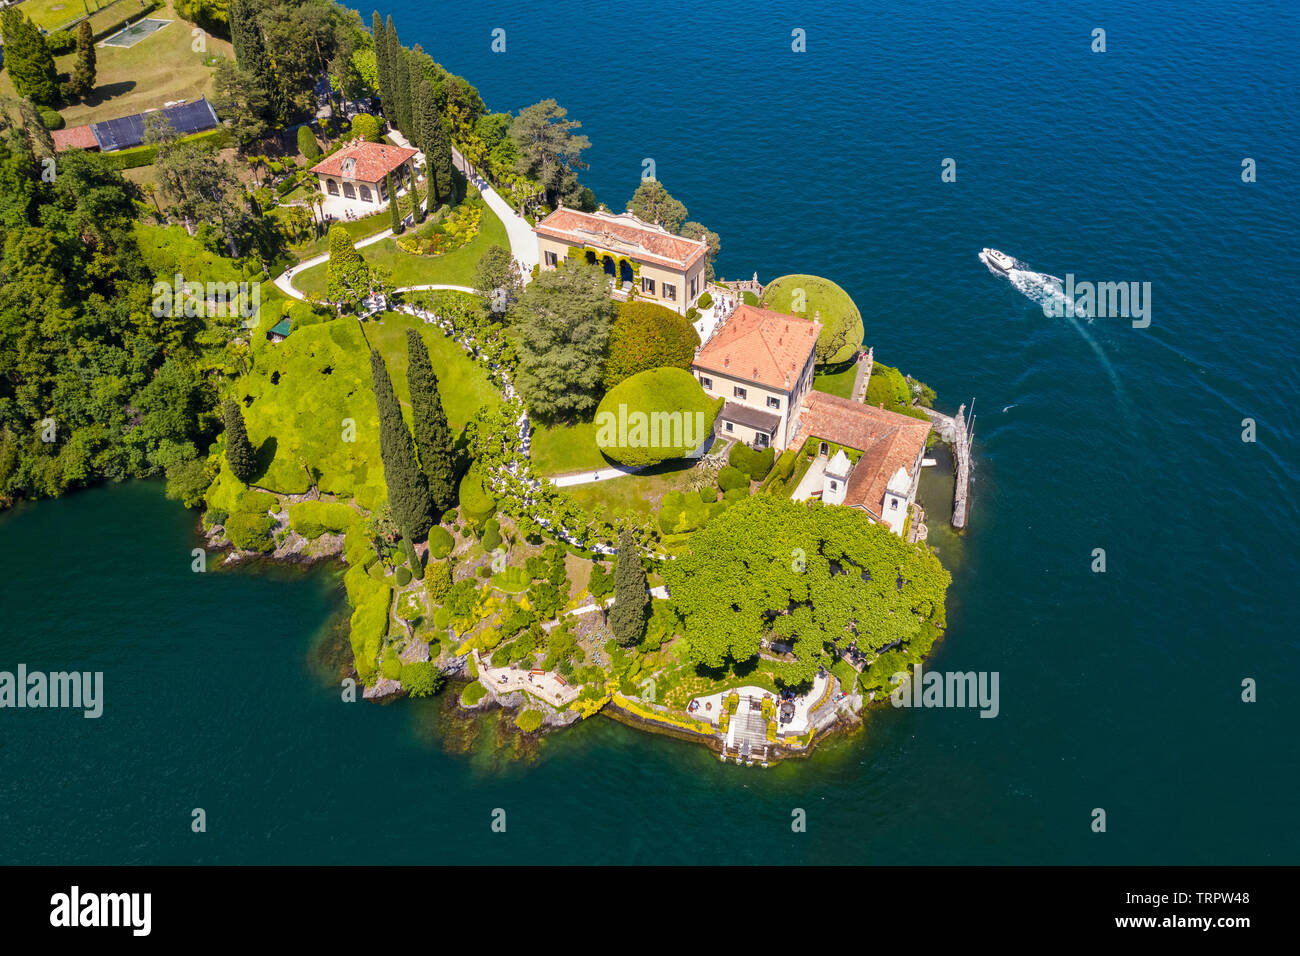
(491, 535)
(61, 42)
(422, 678)
(704, 301)
(692, 314)
(731, 478)
(709, 495)
(367, 127)
(307, 144)
(735, 494)
(450, 516)
(529, 721)
(311, 519)
(755, 464)
(667, 416)
(514, 580)
(475, 501)
(51, 119)
(251, 532)
(391, 668)
(437, 581)
(403, 576)
(257, 503)
(410, 607)
(412, 559)
(440, 542)
(483, 571)
(842, 329)
(473, 693)
(646, 336)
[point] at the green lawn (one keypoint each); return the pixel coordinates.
(836, 379)
(52, 14)
(160, 68)
(455, 268)
(308, 401)
(641, 492)
(560, 449)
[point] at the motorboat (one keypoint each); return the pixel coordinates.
(999, 260)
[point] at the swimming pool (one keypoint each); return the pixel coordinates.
(130, 36)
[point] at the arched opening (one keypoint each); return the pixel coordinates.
(624, 271)
(349, 192)
(332, 186)
(823, 448)
(365, 194)
(591, 258)
(609, 266)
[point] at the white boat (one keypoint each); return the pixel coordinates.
(999, 260)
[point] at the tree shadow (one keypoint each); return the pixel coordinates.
(266, 455)
(102, 94)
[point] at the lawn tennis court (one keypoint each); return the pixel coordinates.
(136, 32)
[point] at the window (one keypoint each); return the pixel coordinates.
(647, 285)
(552, 259)
(670, 291)
(762, 440)
(834, 486)
(365, 194)
(893, 504)
(348, 191)
(738, 392)
(730, 427)
(332, 186)
(706, 383)
(695, 286)
(773, 402)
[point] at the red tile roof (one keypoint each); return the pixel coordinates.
(888, 441)
(74, 137)
(770, 348)
(624, 234)
(371, 161)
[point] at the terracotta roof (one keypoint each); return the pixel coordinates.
(888, 441)
(623, 233)
(372, 161)
(759, 345)
(74, 137)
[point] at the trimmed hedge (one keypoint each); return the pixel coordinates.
(756, 464)
(138, 156)
(251, 532)
(473, 693)
(646, 336)
(491, 535)
(705, 300)
(257, 503)
(529, 721)
(307, 144)
(51, 119)
(649, 417)
(476, 504)
(311, 519)
(731, 478)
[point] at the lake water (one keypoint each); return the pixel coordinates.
(1119, 691)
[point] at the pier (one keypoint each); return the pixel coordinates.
(959, 431)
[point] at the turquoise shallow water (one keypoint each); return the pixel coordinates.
(1118, 691)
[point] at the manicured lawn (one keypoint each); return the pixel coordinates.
(160, 68)
(836, 379)
(52, 14)
(561, 449)
(301, 393)
(641, 492)
(455, 268)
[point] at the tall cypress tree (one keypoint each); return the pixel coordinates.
(28, 59)
(398, 224)
(408, 490)
(404, 91)
(436, 146)
(83, 73)
(251, 56)
(239, 450)
(380, 40)
(433, 436)
(393, 51)
(628, 617)
(417, 210)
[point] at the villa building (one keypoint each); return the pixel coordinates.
(358, 171)
(641, 259)
(761, 362)
(876, 460)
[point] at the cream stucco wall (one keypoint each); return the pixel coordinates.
(679, 279)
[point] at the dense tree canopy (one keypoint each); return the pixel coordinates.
(549, 149)
(651, 203)
(819, 578)
(562, 324)
(27, 58)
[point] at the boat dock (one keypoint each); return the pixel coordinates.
(959, 431)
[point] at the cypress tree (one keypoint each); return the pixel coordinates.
(398, 225)
(239, 450)
(250, 56)
(417, 210)
(393, 52)
(408, 490)
(433, 436)
(83, 73)
(437, 156)
(380, 40)
(404, 91)
(628, 617)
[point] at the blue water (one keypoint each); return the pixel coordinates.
(1119, 691)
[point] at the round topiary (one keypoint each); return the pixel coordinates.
(475, 501)
(50, 119)
(732, 478)
(530, 721)
(646, 336)
(654, 416)
(403, 576)
(704, 301)
(491, 535)
(842, 330)
(367, 127)
(440, 542)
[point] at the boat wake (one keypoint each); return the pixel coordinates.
(1048, 293)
